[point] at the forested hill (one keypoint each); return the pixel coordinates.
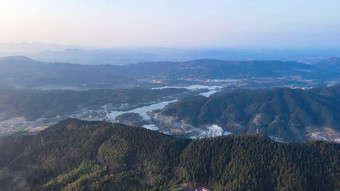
(79, 155)
(283, 112)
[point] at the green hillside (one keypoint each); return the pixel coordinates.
(79, 155)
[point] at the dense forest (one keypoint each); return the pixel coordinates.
(79, 155)
(283, 112)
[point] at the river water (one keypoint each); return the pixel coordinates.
(142, 110)
(145, 109)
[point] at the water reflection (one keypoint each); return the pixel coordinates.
(142, 110)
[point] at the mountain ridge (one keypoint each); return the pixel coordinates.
(24, 72)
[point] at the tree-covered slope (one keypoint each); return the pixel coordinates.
(288, 113)
(247, 162)
(79, 155)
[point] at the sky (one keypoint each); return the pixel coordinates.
(179, 23)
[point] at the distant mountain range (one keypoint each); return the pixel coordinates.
(218, 69)
(23, 72)
(287, 113)
(78, 155)
(130, 55)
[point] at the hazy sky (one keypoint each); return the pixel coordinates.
(203, 23)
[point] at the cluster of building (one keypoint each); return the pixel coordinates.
(6, 132)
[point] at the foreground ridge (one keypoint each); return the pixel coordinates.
(80, 155)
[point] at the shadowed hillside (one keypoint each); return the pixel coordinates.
(288, 113)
